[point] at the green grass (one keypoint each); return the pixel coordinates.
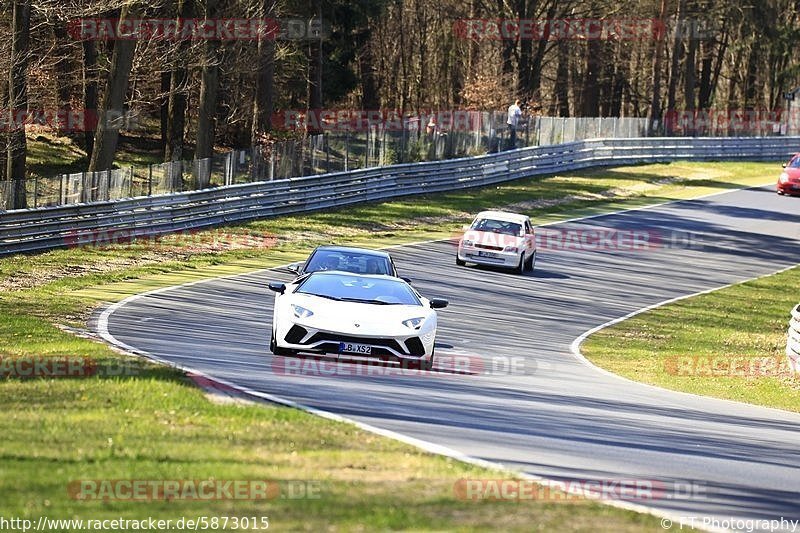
(152, 424)
(729, 344)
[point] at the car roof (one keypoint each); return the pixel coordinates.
(352, 249)
(504, 216)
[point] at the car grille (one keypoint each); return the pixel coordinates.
(489, 247)
(331, 343)
(296, 334)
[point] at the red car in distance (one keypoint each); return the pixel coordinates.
(789, 182)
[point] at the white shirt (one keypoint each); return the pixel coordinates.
(514, 113)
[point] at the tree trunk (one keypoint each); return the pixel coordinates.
(63, 67)
(751, 80)
(113, 107)
(369, 91)
(655, 104)
(179, 79)
(163, 107)
(591, 90)
(562, 79)
(209, 84)
(265, 80)
(524, 80)
(315, 77)
(18, 102)
(690, 76)
(89, 90)
(677, 50)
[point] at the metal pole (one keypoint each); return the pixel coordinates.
(272, 163)
(150, 181)
(36, 192)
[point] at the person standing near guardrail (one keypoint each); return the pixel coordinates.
(514, 114)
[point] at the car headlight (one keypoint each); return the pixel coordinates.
(784, 177)
(301, 312)
(413, 323)
(513, 249)
(467, 242)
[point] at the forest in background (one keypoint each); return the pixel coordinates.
(192, 95)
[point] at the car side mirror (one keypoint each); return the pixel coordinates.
(438, 303)
(294, 267)
(407, 280)
(277, 287)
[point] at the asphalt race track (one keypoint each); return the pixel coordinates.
(522, 398)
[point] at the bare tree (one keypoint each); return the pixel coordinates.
(178, 91)
(18, 101)
(113, 106)
(209, 84)
(265, 78)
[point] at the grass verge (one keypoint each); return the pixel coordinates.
(151, 424)
(729, 343)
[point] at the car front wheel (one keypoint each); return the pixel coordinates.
(532, 261)
(521, 266)
(459, 262)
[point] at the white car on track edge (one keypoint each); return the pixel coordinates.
(499, 238)
(357, 315)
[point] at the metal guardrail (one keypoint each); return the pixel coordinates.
(793, 341)
(31, 230)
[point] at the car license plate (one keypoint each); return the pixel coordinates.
(488, 254)
(352, 347)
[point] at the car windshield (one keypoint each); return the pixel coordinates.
(349, 261)
(794, 163)
(497, 226)
(353, 288)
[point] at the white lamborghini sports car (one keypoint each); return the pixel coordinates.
(361, 315)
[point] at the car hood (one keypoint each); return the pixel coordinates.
(355, 317)
(793, 173)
